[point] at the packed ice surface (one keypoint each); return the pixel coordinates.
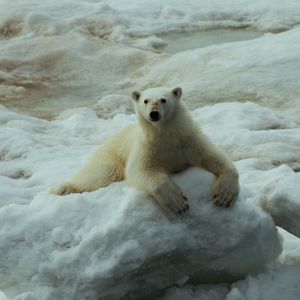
(69, 54)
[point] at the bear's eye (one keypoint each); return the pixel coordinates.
(163, 100)
(146, 101)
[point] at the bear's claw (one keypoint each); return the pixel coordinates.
(178, 205)
(171, 198)
(64, 189)
(226, 191)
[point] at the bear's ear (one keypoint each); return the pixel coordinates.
(177, 92)
(136, 95)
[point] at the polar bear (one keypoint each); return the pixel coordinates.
(164, 141)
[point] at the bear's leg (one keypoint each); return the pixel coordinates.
(100, 171)
(226, 186)
(158, 185)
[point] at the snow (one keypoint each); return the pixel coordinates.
(75, 64)
(252, 288)
(283, 202)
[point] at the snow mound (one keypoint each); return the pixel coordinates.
(112, 105)
(115, 243)
(231, 117)
(282, 201)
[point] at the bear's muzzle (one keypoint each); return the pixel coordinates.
(154, 116)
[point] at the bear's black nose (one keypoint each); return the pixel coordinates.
(154, 116)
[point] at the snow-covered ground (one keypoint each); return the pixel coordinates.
(74, 63)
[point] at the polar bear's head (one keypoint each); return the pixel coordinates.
(156, 104)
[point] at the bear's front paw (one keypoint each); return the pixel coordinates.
(226, 190)
(172, 199)
(64, 189)
(177, 205)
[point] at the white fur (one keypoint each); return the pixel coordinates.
(145, 154)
